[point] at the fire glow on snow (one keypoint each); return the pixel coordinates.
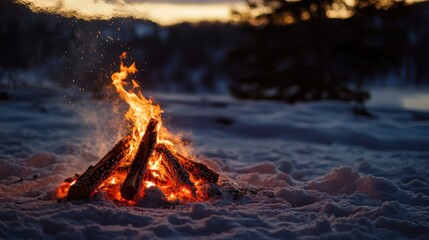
(166, 175)
(322, 173)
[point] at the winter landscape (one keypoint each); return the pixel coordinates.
(331, 168)
(311, 170)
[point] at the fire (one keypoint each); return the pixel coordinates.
(162, 170)
(113, 181)
(140, 111)
(63, 189)
(149, 184)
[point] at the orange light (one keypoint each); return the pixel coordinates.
(149, 184)
(171, 197)
(64, 187)
(140, 111)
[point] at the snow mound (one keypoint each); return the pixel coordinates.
(310, 171)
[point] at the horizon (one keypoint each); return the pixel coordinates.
(166, 12)
(162, 12)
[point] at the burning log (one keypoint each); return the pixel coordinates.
(138, 167)
(122, 170)
(95, 175)
(156, 177)
(177, 174)
(156, 162)
(198, 170)
(174, 169)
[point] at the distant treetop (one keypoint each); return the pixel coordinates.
(284, 12)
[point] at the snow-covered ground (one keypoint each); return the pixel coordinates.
(312, 170)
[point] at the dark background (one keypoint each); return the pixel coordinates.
(259, 57)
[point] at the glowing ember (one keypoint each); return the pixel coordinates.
(63, 189)
(113, 181)
(150, 156)
(149, 184)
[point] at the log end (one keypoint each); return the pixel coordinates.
(128, 192)
(77, 192)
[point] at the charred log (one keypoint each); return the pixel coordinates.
(122, 170)
(174, 170)
(138, 167)
(95, 175)
(198, 170)
(177, 174)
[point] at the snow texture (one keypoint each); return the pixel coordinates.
(307, 171)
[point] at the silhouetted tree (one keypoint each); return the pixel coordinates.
(296, 48)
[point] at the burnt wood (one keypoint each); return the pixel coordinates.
(174, 168)
(198, 170)
(134, 179)
(177, 174)
(122, 170)
(87, 183)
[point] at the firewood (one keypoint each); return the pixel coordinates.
(157, 179)
(177, 174)
(134, 179)
(198, 170)
(95, 175)
(122, 170)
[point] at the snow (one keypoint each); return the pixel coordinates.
(311, 170)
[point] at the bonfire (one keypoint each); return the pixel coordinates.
(148, 157)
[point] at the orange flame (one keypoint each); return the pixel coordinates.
(64, 187)
(140, 111)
